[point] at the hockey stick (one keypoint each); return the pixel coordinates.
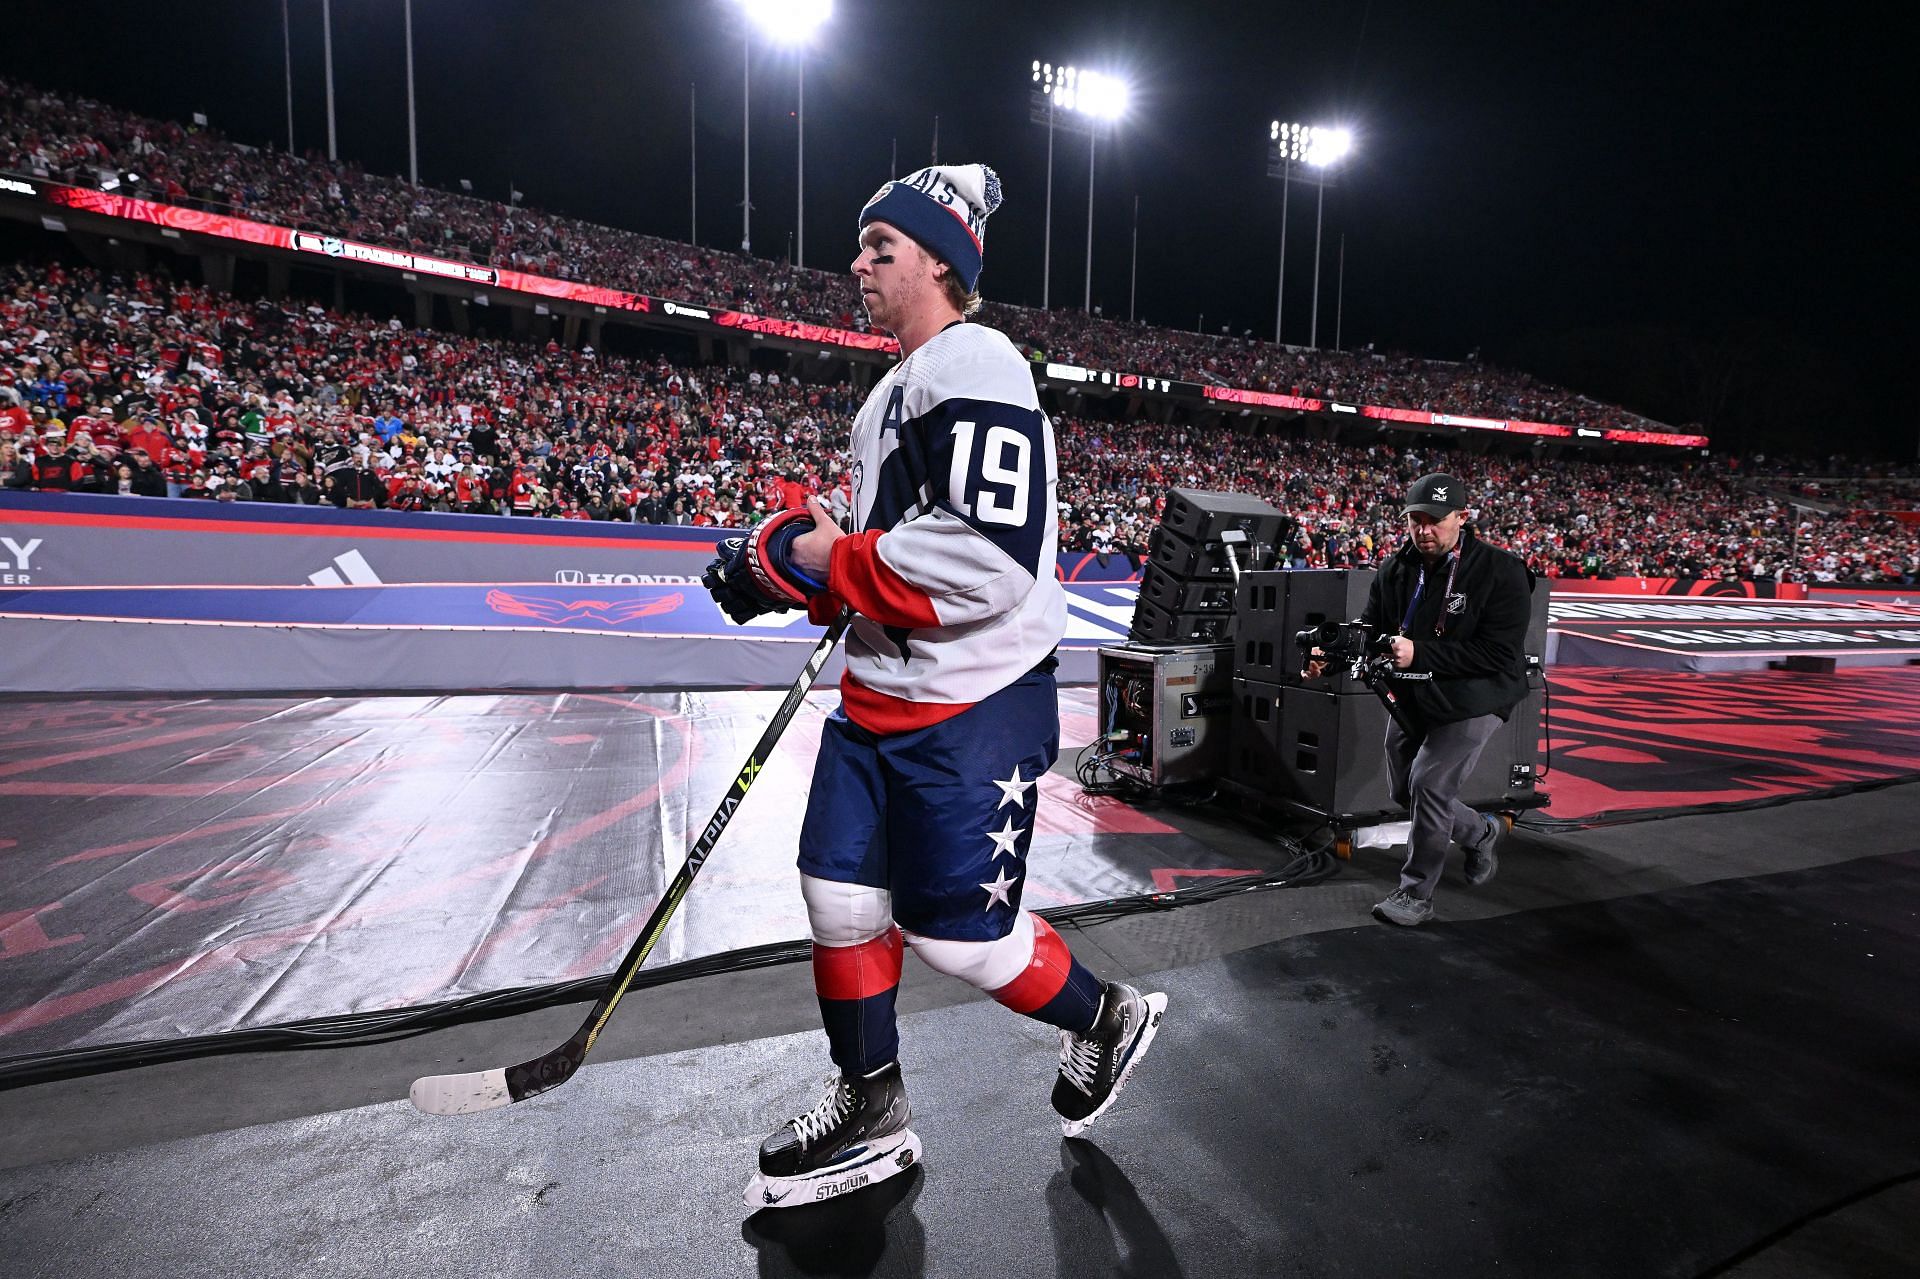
(486, 1089)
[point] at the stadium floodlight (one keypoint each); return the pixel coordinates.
(788, 22)
(1313, 144)
(791, 24)
(1305, 152)
(1329, 146)
(1094, 94)
(1088, 99)
(1103, 97)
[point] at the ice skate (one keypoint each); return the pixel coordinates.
(855, 1137)
(1094, 1066)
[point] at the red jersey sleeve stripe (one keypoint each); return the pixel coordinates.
(857, 972)
(882, 713)
(859, 576)
(1045, 974)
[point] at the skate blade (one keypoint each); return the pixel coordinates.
(1156, 1008)
(886, 1157)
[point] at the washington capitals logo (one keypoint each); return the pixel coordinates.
(574, 612)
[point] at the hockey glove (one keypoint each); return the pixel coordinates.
(753, 575)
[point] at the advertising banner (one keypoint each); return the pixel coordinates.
(61, 539)
(113, 594)
(1726, 633)
(1693, 587)
(53, 539)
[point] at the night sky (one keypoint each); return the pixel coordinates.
(1696, 220)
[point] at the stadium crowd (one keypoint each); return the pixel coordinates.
(1566, 517)
(86, 143)
(153, 388)
(149, 387)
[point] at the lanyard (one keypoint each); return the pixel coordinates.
(1420, 584)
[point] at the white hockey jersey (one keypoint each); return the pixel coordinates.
(950, 564)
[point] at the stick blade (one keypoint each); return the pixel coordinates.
(466, 1094)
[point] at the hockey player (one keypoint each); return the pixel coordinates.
(924, 792)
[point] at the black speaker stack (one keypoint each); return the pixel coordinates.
(1187, 586)
(1311, 746)
(1315, 745)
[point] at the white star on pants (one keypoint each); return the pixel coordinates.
(1004, 840)
(1013, 790)
(997, 891)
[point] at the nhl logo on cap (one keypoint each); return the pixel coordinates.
(1438, 495)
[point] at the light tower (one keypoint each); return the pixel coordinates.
(790, 24)
(1303, 153)
(1080, 101)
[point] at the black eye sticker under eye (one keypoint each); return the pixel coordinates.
(883, 259)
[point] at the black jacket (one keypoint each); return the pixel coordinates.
(1475, 650)
(149, 481)
(357, 485)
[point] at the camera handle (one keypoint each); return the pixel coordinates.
(1371, 671)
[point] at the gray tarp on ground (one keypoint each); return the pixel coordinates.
(187, 866)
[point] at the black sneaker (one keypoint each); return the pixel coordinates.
(1403, 908)
(1482, 861)
(1094, 1066)
(855, 1110)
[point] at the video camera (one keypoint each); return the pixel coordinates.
(1344, 643)
(1367, 658)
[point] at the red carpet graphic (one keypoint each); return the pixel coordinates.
(1642, 741)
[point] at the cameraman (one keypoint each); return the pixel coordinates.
(1452, 612)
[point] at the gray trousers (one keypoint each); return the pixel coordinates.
(1426, 774)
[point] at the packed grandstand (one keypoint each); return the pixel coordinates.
(142, 384)
(84, 143)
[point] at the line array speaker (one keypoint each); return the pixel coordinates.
(1186, 592)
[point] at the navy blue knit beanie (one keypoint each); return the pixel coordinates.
(945, 210)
